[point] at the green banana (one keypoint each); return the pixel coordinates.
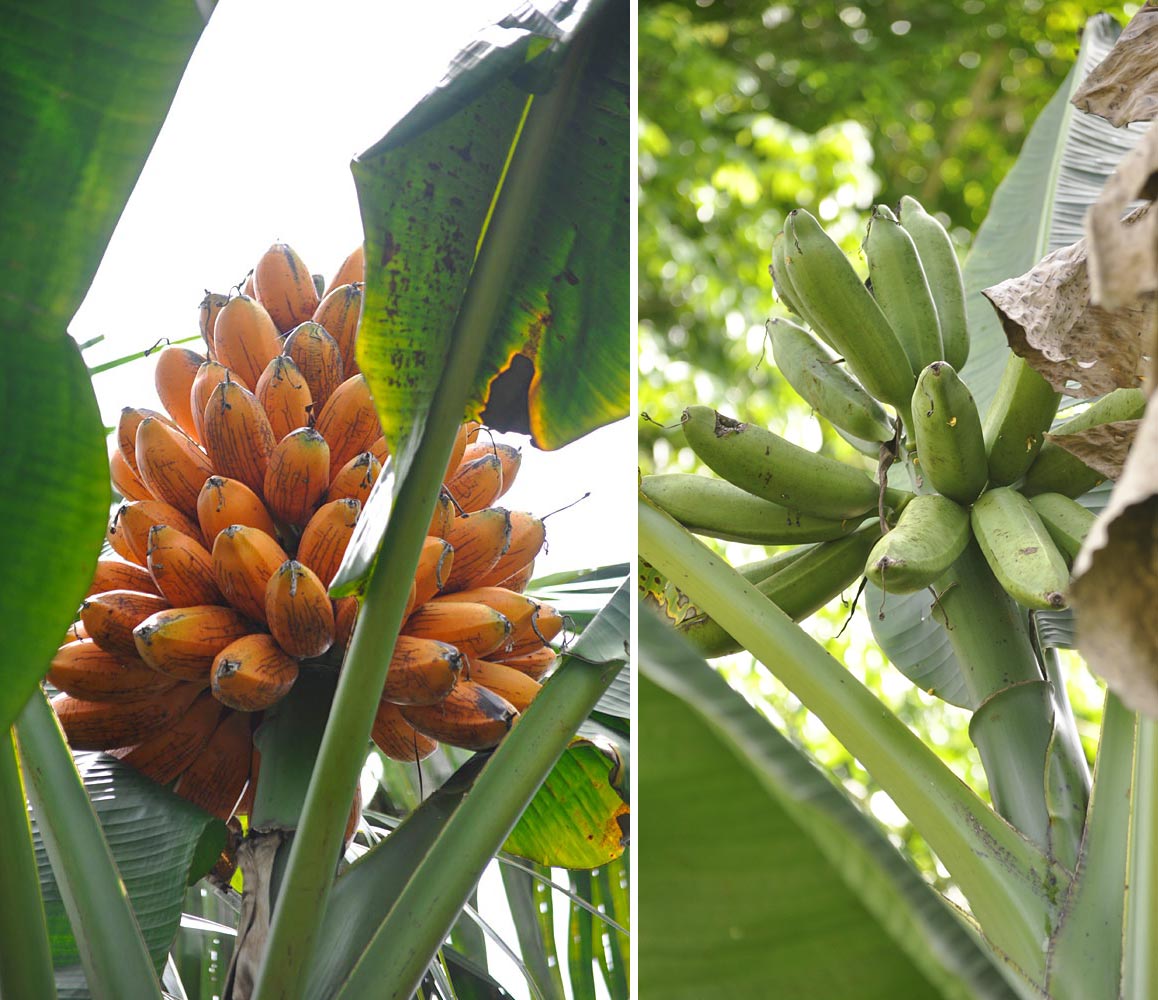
(1055, 470)
(1019, 549)
(1066, 520)
(800, 588)
(930, 534)
(901, 288)
(1017, 419)
(781, 282)
(950, 444)
(943, 269)
(767, 466)
(718, 509)
(843, 312)
(825, 385)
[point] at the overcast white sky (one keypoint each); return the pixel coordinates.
(276, 101)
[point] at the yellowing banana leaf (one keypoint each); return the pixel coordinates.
(758, 871)
(84, 92)
(160, 843)
(578, 817)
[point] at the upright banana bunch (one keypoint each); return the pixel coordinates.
(897, 341)
(239, 504)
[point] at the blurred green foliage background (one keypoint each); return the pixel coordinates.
(749, 110)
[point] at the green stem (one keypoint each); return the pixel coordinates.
(25, 956)
(396, 958)
(314, 854)
(115, 958)
(1140, 957)
(1013, 726)
(1010, 884)
(1085, 954)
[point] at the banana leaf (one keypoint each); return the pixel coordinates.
(84, 92)
(764, 844)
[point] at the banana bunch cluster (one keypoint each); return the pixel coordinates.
(880, 360)
(240, 500)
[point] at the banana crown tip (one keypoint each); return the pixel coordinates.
(726, 425)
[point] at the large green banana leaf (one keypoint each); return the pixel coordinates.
(83, 91)
(759, 877)
(1037, 208)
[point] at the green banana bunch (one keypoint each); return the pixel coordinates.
(943, 270)
(825, 385)
(930, 534)
(901, 288)
(781, 282)
(1016, 421)
(718, 509)
(767, 466)
(950, 443)
(842, 312)
(799, 586)
(1066, 520)
(1055, 470)
(1019, 549)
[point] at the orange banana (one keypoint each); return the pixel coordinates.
(84, 670)
(317, 356)
(507, 682)
(355, 479)
(247, 288)
(348, 421)
(245, 338)
(422, 671)
(396, 738)
(176, 369)
(182, 642)
(127, 483)
(513, 606)
(285, 287)
(285, 396)
(165, 756)
(534, 664)
(127, 424)
(353, 269)
(105, 725)
(339, 312)
(244, 559)
(211, 305)
(528, 534)
(181, 567)
(299, 611)
(209, 376)
(543, 626)
(510, 457)
(216, 779)
(470, 717)
(345, 616)
(380, 449)
(297, 476)
(225, 501)
(324, 540)
(458, 448)
(111, 617)
(116, 574)
(171, 465)
(474, 629)
(476, 483)
(443, 516)
(238, 436)
(519, 579)
(479, 541)
(434, 565)
(252, 673)
(133, 521)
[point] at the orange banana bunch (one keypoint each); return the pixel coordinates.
(239, 503)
